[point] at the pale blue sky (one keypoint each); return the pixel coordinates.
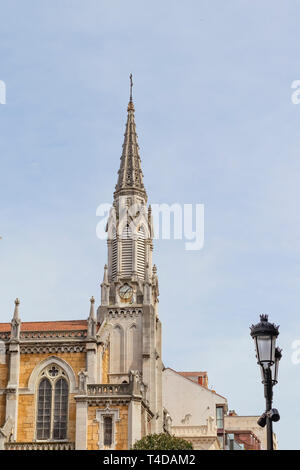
(216, 126)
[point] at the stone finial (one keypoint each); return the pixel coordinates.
(92, 320)
(105, 287)
(130, 175)
(82, 377)
(15, 323)
(105, 275)
(155, 282)
(16, 311)
(92, 310)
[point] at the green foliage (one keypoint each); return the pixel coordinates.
(162, 442)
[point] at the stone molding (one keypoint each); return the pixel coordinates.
(32, 382)
(53, 334)
(37, 335)
(39, 446)
(124, 312)
(52, 348)
(208, 430)
(103, 401)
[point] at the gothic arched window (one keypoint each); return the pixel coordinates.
(52, 405)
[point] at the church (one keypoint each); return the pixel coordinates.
(100, 383)
(96, 383)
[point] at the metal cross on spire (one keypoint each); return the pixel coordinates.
(131, 85)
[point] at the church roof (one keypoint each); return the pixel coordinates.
(130, 175)
(192, 374)
(68, 325)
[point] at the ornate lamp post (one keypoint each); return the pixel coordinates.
(268, 357)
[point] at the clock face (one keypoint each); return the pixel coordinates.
(125, 292)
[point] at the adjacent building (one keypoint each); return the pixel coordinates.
(196, 412)
(247, 429)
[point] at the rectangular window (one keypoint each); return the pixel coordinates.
(44, 410)
(220, 417)
(108, 425)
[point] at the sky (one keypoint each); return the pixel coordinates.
(216, 126)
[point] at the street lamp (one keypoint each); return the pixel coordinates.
(268, 357)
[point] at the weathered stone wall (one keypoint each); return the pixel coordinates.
(29, 361)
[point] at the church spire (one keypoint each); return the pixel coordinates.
(130, 175)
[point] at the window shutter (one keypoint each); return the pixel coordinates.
(126, 252)
(114, 255)
(141, 253)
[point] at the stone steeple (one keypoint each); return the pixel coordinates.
(130, 175)
(129, 291)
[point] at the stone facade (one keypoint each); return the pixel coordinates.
(96, 383)
(99, 383)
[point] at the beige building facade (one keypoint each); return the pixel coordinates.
(195, 412)
(99, 383)
(233, 422)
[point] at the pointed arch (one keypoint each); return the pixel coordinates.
(52, 412)
(32, 382)
(143, 226)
